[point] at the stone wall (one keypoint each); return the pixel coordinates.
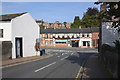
(6, 47)
(109, 58)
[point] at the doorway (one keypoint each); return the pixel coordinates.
(75, 43)
(18, 45)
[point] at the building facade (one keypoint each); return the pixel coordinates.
(21, 30)
(55, 25)
(73, 37)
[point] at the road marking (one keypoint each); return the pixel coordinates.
(23, 62)
(78, 74)
(64, 58)
(58, 56)
(72, 54)
(45, 67)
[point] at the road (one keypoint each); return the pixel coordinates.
(63, 64)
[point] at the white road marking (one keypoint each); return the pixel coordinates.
(45, 67)
(62, 53)
(72, 54)
(64, 58)
(58, 56)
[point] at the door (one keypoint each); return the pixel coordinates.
(18, 47)
(75, 43)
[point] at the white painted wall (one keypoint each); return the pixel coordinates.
(6, 26)
(25, 26)
(109, 34)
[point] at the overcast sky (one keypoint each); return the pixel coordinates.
(49, 11)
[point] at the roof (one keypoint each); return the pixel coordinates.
(8, 17)
(70, 30)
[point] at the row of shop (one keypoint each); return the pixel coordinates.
(84, 37)
(74, 42)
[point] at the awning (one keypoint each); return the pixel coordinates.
(61, 40)
(75, 39)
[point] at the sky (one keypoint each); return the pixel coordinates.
(49, 11)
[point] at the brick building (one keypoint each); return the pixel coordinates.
(73, 37)
(55, 25)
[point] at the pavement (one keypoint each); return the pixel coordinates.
(94, 69)
(23, 59)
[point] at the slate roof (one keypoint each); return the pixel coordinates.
(8, 17)
(71, 30)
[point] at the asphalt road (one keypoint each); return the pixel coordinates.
(60, 65)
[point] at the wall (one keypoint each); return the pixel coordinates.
(109, 34)
(6, 26)
(25, 26)
(95, 35)
(61, 45)
(109, 58)
(6, 49)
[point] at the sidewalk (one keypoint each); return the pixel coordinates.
(93, 69)
(24, 59)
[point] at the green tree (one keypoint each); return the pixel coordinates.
(112, 9)
(65, 24)
(76, 23)
(90, 18)
(41, 26)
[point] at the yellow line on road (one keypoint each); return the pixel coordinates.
(78, 74)
(23, 62)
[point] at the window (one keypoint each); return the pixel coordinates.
(87, 35)
(46, 36)
(82, 35)
(1, 33)
(86, 43)
(51, 42)
(60, 42)
(46, 42)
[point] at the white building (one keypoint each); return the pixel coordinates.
(22, 30)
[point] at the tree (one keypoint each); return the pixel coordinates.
(65, 24)
(76, 23)
(112, 10)
(90, 18)
(92, 11)
(41, 26)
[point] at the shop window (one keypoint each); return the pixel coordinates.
(60, 42)
(84, 43)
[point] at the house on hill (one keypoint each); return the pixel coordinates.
(21, 30)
